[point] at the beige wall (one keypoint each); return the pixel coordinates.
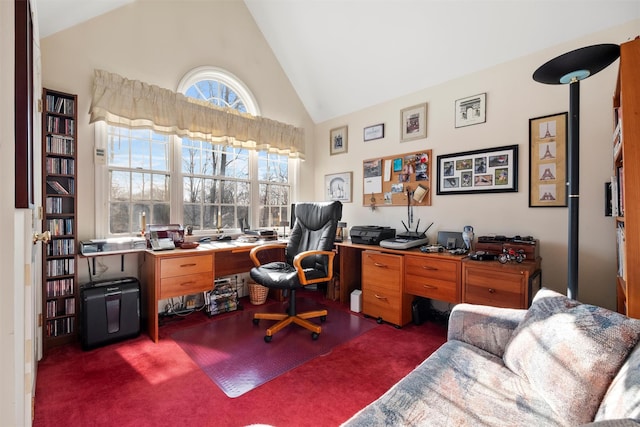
(158, 43)
(513, 97)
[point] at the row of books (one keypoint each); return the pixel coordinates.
(68, 309)
(61, 267)
(57, 104)
(60, 327)
(60, 226)
(57, 144)
(60, 125)
(55, 205)
(61, 247)
(59, 287)
(617, 193)
(60, 166)
(59, 188)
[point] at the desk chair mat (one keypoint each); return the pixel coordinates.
(233, 354)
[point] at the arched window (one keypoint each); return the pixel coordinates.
(195, 183)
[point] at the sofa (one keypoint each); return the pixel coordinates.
(559, 363)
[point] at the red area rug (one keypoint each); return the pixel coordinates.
(233, 354)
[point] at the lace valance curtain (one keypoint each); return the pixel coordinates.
(123, 102)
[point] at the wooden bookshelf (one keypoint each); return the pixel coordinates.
(626, 179)
(59, 265)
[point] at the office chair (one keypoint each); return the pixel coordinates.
(309, 260)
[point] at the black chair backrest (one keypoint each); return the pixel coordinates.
(315, 229)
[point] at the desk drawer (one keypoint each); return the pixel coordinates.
(186, 284)
(432, 278)
(186, 265)
(383, 270)
(496, 288)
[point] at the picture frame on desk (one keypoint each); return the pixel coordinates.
(548, 161)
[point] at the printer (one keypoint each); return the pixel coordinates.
(371, 234)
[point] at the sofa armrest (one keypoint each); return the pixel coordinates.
(485, 327)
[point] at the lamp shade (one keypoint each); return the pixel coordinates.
(579, 64)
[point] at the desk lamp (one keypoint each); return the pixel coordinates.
(570, 68)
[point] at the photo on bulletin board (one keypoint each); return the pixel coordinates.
(492, 170)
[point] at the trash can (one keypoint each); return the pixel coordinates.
(356, 301)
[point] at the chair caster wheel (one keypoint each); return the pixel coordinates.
(268, 338)
(314, 336)
(323, 318)
(379, 320)
(256, 321)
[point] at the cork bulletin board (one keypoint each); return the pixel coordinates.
(392, 180)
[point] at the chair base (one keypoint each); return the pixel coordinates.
(285, 319)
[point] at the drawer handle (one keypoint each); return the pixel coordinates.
(428, 267)
(429, 287)
(193, 264)
(188, 283)
(377, 264)
(492, 291)
(380, 296)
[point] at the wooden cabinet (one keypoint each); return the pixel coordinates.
(59, 277)
(432, 277)
(626, 194)
(382, 293)
(169, 274)
(510, 285)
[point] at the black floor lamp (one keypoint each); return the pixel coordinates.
(572, 67)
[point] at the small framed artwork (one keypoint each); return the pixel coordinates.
(374, 132)
(413, 122)
(492, 170)
(471, 110)
(338, 139)
(548, 161)
(338, 186)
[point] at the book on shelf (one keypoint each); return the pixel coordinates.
(57, 187)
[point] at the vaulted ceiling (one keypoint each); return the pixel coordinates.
(345, 55)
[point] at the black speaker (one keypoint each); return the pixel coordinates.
(420, 308)
(110, 311)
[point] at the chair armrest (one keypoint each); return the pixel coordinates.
(254, 254)
(297, 263)
(485, 327)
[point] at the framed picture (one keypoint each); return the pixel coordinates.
(471, 110)
(413, 122)
(548, 161)
(493, 170)
(338, 139)
(338, 186)
(374, 132)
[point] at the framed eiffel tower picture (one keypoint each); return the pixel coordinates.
(548, 161)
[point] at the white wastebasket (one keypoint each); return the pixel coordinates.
(356, 301)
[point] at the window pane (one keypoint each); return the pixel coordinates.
(191, 216)
(161, 213)
(120, 186)
(228, 192)
(118, 151)
(211, 190)
(160, 156)
(140, 186)
(119, 218)
(192, 192)
(160, 187)
(243, 196)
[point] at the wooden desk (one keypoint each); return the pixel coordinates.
(390, 280)
(167, 274)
